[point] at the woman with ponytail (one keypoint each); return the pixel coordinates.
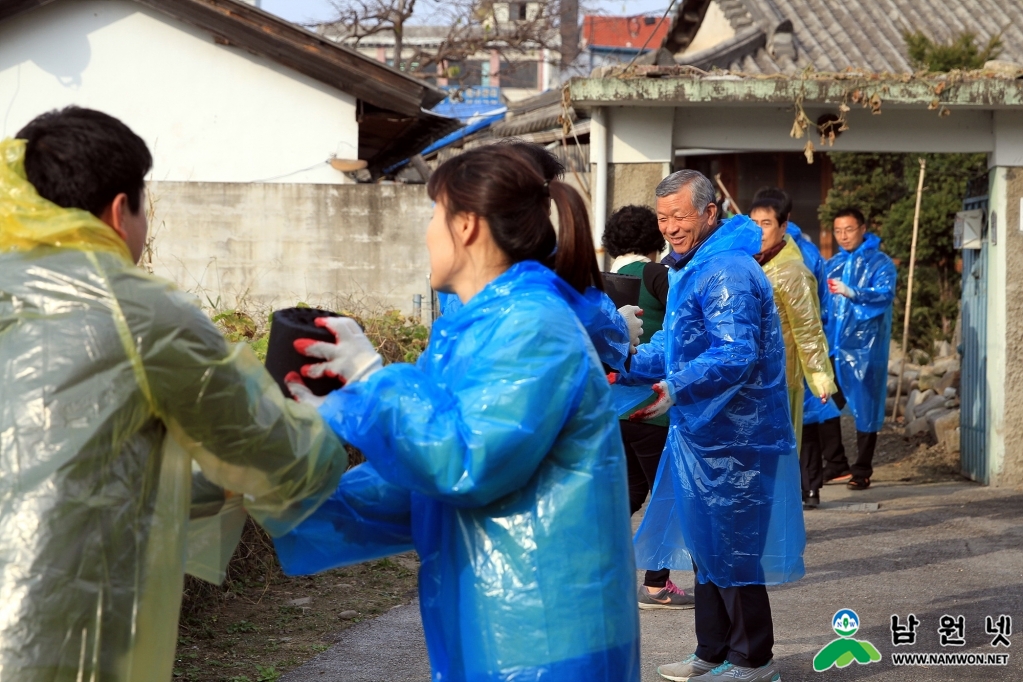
(497, 456)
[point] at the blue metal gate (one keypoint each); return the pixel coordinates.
(973, 350)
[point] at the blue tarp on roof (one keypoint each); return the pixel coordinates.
(478, 108)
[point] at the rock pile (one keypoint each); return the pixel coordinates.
(931, 394)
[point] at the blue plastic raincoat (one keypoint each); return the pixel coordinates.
(813, 411)
(727, 497)
(859, 330)
(498, 457)
(608, 330)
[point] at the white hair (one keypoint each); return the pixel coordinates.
(701, 190)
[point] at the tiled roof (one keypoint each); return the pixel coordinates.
(624, 32)
(832, 35)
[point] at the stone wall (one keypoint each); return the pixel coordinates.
(265, 246)
(633, 183)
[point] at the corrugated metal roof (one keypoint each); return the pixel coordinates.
(859, 34)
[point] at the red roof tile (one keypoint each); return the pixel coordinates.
(628, 32)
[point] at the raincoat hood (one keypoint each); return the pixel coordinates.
(27, 221)
(738, 233)
(607, 329)
(871, 242)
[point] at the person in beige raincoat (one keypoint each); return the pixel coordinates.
(795, 295)
(114, 383)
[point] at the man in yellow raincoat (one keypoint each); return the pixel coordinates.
(113, 384)
(795, 295)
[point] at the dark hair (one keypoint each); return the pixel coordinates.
(81, 158)
(775, 193)
(632, 229)
(550, 165)
(506, 186)
(773, 204)
(850, 212)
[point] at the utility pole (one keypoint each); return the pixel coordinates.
(569, 24)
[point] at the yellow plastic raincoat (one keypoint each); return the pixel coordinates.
(806, 348)
(114, 383)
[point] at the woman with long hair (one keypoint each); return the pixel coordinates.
(497, 456)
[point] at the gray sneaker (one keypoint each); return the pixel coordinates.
(727, 672)
(671, 596)
(689, 667)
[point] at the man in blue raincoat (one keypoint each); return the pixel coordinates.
(861, 285)
(727, 495)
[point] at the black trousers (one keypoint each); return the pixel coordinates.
(734, 624)
(811, 460)
(644, 444)
(866, 444)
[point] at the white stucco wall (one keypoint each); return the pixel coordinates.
(209, 112)
(640, 134)
(263, 246)
(766, 128)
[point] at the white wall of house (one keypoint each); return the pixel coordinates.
(263, 246)
(766, 128)
(209, 112)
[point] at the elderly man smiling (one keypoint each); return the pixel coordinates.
(727, 497)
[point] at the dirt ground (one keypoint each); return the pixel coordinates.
(256, 632)
(906, 460)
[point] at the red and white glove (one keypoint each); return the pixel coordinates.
(300, 392)
(632, 313)
(657, 408)
(837, 286)
(351, 358)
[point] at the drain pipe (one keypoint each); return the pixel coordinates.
(598, 151)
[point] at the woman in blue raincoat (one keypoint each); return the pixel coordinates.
(615, 332)
(727, 496)
(861, 281)
(497, 456)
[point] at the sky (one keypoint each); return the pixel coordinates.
(303, 11)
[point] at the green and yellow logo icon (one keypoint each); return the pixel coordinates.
(844, 650)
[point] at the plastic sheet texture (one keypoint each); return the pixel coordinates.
(727, 495)
(498, 456)
(113, 384)
(813, 411)
(806, 349)
(860, 330)
(608, 330)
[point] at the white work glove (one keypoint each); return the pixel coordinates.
(351, 358)
(300, 392)
(657, 408)
(837, 286)
(822, 386)
(632, 313)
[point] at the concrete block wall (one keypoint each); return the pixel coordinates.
(258, 247)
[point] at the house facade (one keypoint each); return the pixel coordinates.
(255, 126)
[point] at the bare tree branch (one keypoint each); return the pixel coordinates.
(466, 29)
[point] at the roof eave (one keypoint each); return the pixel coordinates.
(240, 25)
(968, 90)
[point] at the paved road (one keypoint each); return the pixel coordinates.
(930, 550)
